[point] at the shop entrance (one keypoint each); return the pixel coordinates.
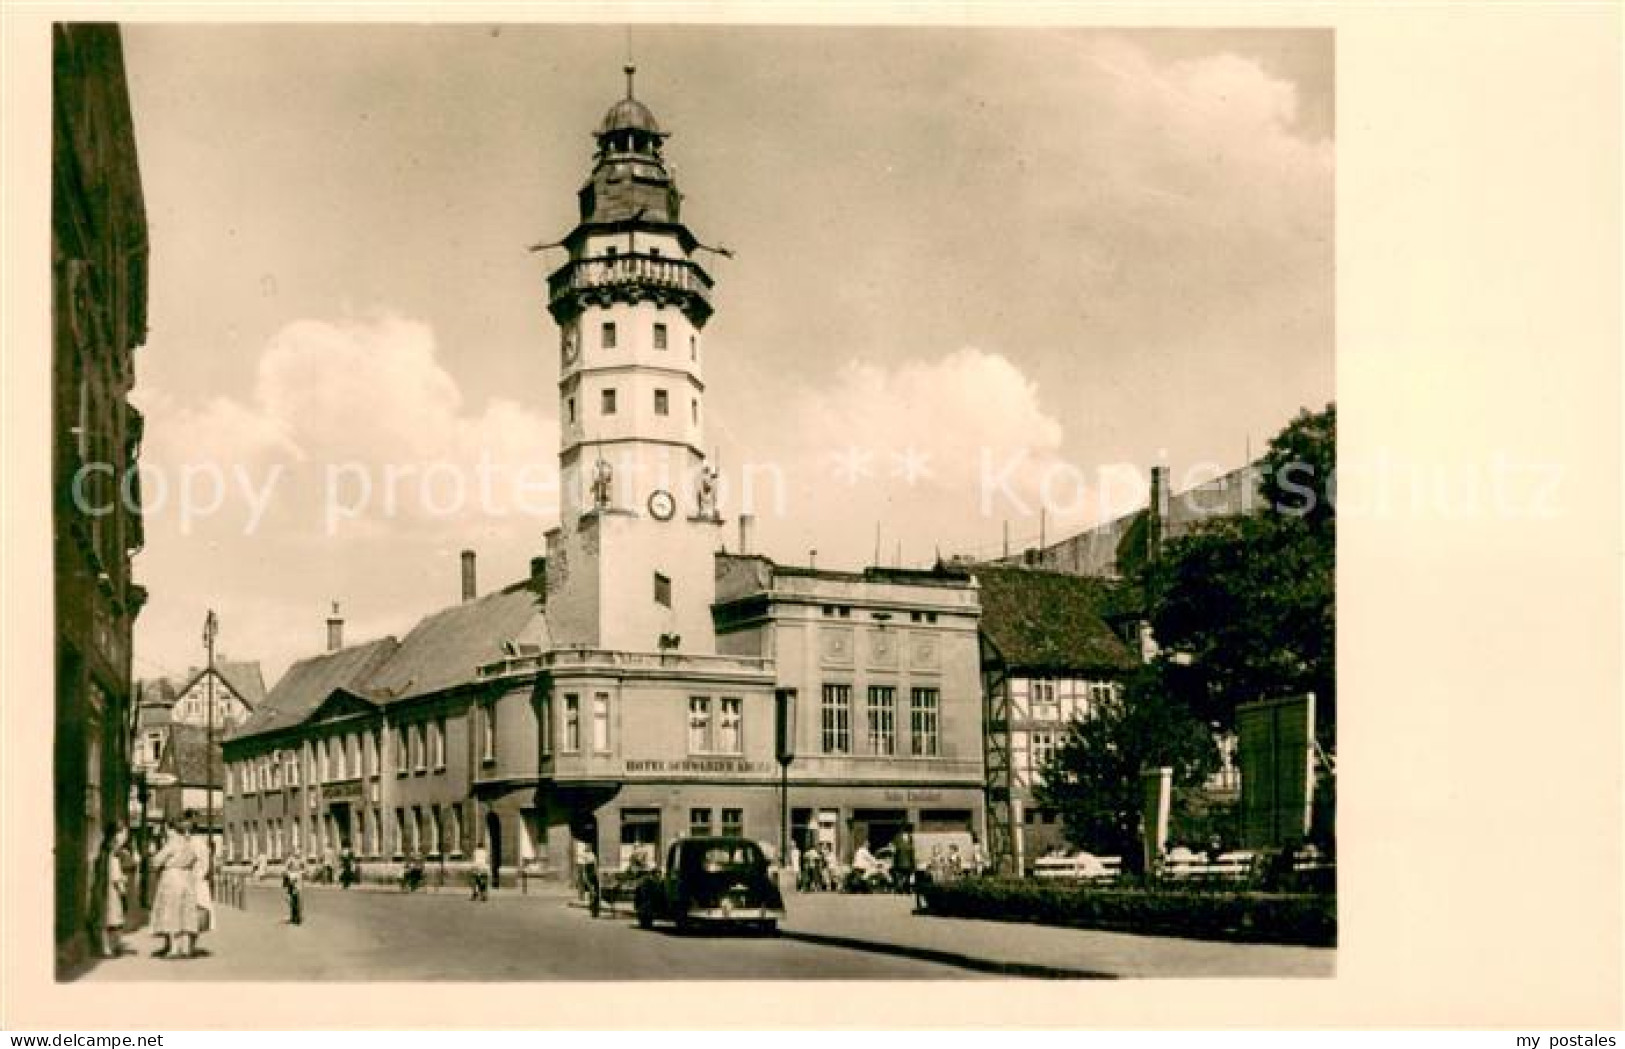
(493, 844)
(640, 838)
(877, 826)
(339, 813)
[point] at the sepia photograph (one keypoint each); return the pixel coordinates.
(719, 502)
(743, 524)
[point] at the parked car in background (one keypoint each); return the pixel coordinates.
(712, 880)
(1076, 864)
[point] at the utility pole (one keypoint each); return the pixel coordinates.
(211, 626)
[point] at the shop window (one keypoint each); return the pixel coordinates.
(699, 822)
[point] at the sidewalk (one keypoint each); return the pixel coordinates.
(887, 923)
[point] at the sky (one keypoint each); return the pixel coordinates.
(974, 273)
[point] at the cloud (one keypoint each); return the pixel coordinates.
(935, 451)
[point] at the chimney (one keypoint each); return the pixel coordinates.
(335, 630)
(745, 521)
(468, 575)
(538, 575)
(1157, 516)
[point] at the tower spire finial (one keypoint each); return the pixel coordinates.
(630, 70)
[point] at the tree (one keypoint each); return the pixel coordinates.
(1093, 777)
(1244, 607)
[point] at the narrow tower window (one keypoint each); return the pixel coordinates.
(662, 403)
(570, 404)
(693, 348)
(694, 406)
(662, 590)
(660, 336)
(608, 335)
(609, 402)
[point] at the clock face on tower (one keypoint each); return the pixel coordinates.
(662, 505)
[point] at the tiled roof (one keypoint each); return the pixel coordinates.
(1050, 621)
(186, 755)
(245, 679)
(309, 681)
(444, 649)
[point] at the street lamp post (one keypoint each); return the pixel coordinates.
(784, 735)
(211, 627)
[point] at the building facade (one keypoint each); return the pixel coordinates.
(98, 312)
(1050, 655)
(884, 667)
(175, 756)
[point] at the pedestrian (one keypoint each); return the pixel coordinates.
(348, 874)
(978, 857)
(113, 882)
(174, 906)
(589, 877)
(203, 884)
(259, 867)
(902, 864)
(480, 876)
(956, 862)
(293, 877)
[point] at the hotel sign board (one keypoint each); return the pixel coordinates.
(348, 790)
(698, 766)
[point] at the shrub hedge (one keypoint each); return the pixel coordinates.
(1252, 917)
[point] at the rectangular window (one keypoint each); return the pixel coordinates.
(882, 721)
(488, 731)
(922, 723)
(1042, 747)
(570, 406)
(1045, 707)
(402, 762)
(420, 747)
(699, 724)
(600, 722)
(699, 822)
(438, 736)
(608, 333)
(375, 751)
(437, 844)
(400, 831)
(546, 725)
(454, 830)
(729, 722)
(836, 719)
(608, 402)
(660, 336)
(290, 761)
(733, 822)
(662, 590)
(572, 724)
(662, 403)
(321, 761)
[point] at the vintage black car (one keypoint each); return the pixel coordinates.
(711, 881)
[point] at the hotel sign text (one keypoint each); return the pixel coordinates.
(736, 766)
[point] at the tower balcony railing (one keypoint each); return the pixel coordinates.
(634, 271)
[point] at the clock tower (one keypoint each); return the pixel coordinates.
(630, 565)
